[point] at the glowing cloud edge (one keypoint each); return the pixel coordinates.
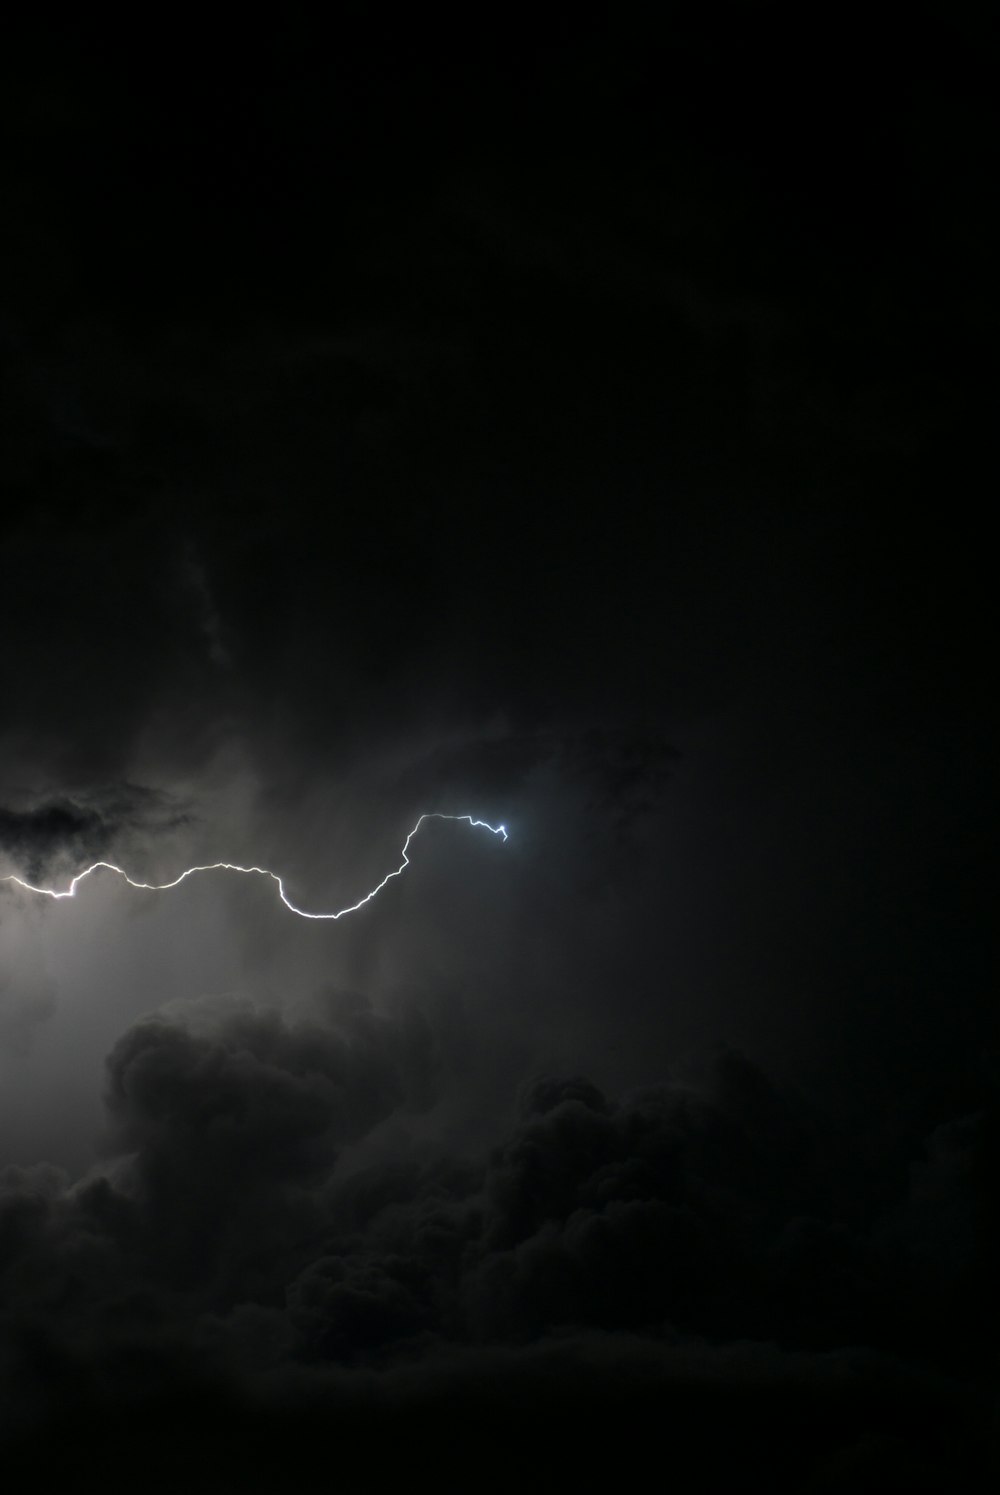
(161, 887)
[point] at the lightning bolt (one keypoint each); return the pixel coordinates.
(161, 887)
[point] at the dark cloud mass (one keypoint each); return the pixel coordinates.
(584, 425)
(75, 833)
(690, 1246)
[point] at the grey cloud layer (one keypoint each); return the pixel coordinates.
(654, 1241)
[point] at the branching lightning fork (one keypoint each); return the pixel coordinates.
(160, 887)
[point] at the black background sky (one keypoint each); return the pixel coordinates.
(583, 422)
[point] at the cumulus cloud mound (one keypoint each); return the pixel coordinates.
(657, 1267)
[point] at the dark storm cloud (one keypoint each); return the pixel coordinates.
(722, 1243)
(74, 831)
(231, 1129)
(34, 836)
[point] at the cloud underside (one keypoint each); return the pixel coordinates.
(672, 1263)
(73, 830)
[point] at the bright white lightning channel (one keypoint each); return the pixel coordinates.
(161, 887)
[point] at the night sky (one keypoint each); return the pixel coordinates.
(582, 424)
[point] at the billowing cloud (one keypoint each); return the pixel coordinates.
(689, 1242)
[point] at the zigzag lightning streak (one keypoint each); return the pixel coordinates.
(160, 887)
